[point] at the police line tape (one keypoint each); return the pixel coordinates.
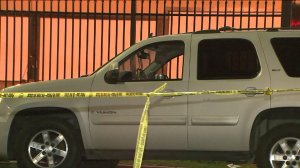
(143, 127)
(267, 91)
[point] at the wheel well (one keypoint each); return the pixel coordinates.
(269, 119)
(33, 114)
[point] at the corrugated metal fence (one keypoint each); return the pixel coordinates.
(57, 39)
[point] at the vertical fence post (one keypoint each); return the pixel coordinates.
(65, 39)
(233, 13)
(102, 27)
(109, 28)
(141, 18)
(149, 17)
(202, 14)
(164, 18)
(43, 42)
(73, 27)
(286, 13)
(117, 27)
(6, 46)
(124, 24)
(133, 23)
(51, 39)
(58, 40)
(257, 8)
(87, 37)
(187, 17)
(21, 43)
(209, 14)
(156, 18)
(195, 13)
(80, 30)
(95, 34)
(218, 13)
(179, 17)
(33, 47)
(14, 45)
(225, 13)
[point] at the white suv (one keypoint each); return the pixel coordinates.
(58, 132)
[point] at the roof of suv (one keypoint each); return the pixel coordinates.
(230, 29)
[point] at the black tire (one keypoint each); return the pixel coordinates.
(279, 142)
(99, 164)
(65, 154)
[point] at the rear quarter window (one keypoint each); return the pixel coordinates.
(288, 53)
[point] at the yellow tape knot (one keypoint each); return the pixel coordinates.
(268, 91)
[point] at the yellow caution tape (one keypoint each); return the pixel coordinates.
(142, 136)
(143, 127)
(69, 94)
(267, 91)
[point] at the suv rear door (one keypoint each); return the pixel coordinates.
(225, 61)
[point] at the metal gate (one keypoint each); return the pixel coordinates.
(57, 39)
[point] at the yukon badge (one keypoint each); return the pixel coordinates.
(103, 112)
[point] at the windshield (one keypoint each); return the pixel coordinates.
(111, 60)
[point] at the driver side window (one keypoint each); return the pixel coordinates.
(156, 61)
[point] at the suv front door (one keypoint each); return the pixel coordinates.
(114, 121)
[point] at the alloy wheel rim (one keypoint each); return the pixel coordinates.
(285, 153)
(48, 149)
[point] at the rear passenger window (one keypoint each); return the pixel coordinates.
(288, 53)
(227, 59)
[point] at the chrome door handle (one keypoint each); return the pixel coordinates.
(168, 91)
(250, 94)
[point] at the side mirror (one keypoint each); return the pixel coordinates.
(112, 76)
(160, 77)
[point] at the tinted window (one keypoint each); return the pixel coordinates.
(227, 59)
(288, 53)
(157, 61)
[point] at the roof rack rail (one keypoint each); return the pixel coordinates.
(272, 29)
(206, 31)
(290, 28)
(228, 28)
(150, 35)
(269, 29)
